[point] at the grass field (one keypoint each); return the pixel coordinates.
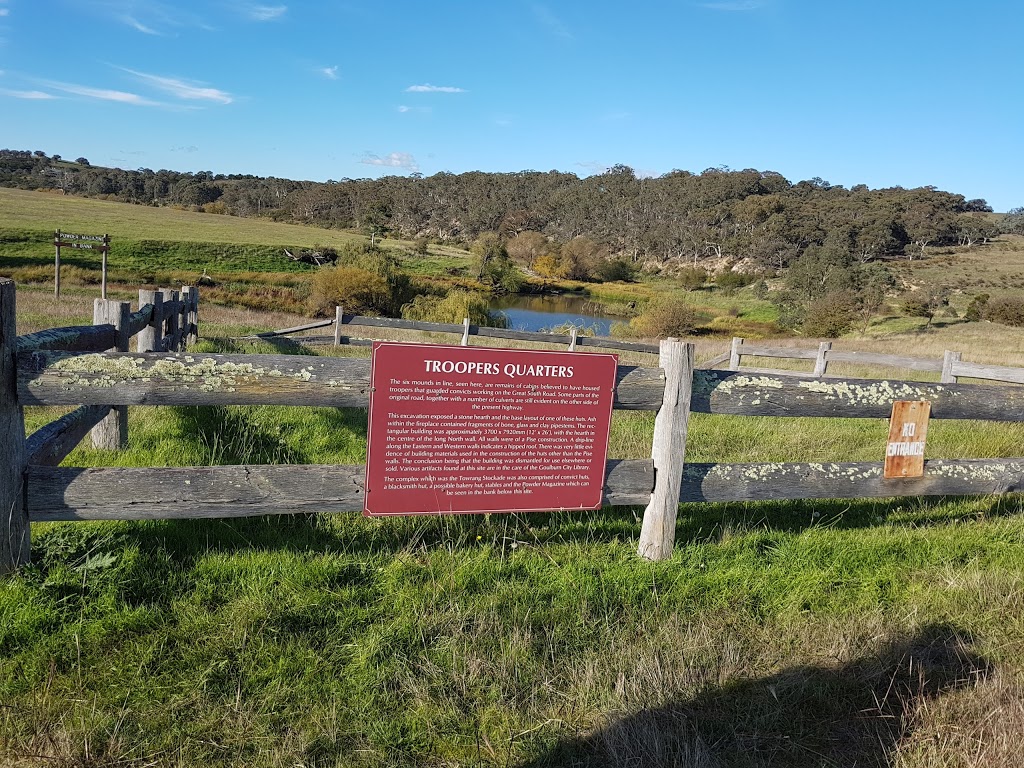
(819, 633)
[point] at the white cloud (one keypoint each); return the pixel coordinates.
(404, 109)
(428, 88)
(266, 12)
(103, 94)
(331, 73)
(394, 160)
(5, 11)
(138, 25)
(151, 17)
(184, 90)
(33, 95)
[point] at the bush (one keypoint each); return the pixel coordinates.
(830, 316)
(452, 308)
(612, 270)
(357, 290)
(692, 278)
(729, 282)
(976, 308)
(665, 316)
(1006, 311)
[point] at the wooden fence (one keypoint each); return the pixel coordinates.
(340, 321)
(950, 367)
(59, 367)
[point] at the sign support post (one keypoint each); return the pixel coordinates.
(658, 531)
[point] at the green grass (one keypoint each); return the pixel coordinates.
(43, 213)
(835, 632)
(843, 632)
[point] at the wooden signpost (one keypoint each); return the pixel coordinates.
(99, 243)
(908, 430)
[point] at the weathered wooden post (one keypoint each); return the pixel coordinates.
(56, 264)
(173, 325)
(948, 360)
(339, 315)
(734, 353)
(821, 361)
(658, 532)
(190, 297)
(14, 528)
(465, 332)
(112, 433)
(151, 338)
(104, 249)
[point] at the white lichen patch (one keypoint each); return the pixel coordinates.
(877, 393)
(99, 370)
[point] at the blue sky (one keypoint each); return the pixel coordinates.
(895, 92)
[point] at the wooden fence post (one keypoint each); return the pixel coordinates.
(465, 332)
(56, 264)
(821, 361)
(948, 359)
(150, 338)
(173, 322)
(112, 433)
(103, 267)
(14, 527)
(658, 532)
(190, 297)
(734, 354)
(339, 315)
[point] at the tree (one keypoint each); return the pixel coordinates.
(525, 247)
(82, 161)
(579, 258)
(494, 265)
(1013, 222)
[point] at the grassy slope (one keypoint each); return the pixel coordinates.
(44, 212)
(816, 633)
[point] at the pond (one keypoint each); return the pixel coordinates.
(543, 312)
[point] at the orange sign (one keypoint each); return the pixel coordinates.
(908, 430)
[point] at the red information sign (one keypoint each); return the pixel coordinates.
(474, 429)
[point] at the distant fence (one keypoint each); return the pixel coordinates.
(950, 368)
(340, 321)
(65, 367)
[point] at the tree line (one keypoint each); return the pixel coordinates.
(675, 220)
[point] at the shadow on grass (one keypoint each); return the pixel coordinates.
(348, 533)
(855, 714)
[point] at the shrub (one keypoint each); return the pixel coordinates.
(692, 278)
(729, 281)
(452, 308)
(611, 270)
(1007, 310)
(830, 316)
(665, 316)
(358, 290)
(976, 307)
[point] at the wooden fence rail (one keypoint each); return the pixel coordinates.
(950, 367)
(465, 329)
(69, 367)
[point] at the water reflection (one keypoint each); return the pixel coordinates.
(542, 312)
